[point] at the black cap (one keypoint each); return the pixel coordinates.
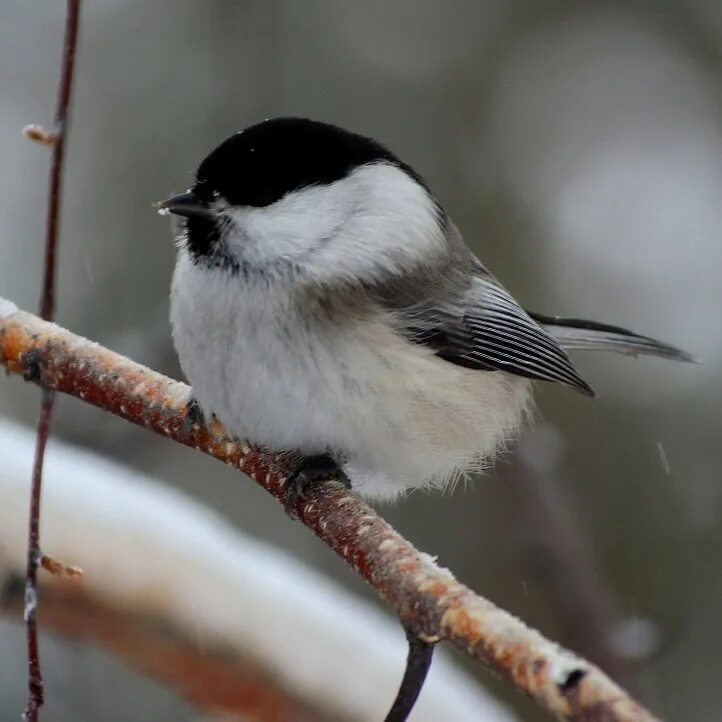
(265, 162)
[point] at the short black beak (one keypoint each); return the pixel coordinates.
(185, 204)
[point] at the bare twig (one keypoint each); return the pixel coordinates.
(58, 137)
(59, 569)
(47, 304)
(40, 135)
(35, 678)
(428, 599)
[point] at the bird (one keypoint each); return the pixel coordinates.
(323, 302)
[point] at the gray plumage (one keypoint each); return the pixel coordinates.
(347, 316)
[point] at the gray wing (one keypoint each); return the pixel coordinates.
(458, 309)
(482, 327)
(468, 318)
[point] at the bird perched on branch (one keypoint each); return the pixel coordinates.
(324, 302)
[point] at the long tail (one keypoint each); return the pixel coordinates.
(575, 333)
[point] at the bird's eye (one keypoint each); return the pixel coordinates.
(204, 195)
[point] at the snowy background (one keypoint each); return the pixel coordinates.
(579, 148)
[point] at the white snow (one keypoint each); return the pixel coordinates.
(7, 308)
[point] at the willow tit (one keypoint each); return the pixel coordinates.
(324, 302)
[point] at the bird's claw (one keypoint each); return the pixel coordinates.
(309, 472)
(32, 362)
(194, 416)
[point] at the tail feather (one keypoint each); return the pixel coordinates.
(575, 333)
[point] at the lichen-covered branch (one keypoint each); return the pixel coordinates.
(427, 598)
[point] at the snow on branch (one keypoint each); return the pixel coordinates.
(426, 598)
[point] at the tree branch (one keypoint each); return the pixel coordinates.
(427, 598)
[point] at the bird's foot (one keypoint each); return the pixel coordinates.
(194, 416)
(310, 471)
(32, 361)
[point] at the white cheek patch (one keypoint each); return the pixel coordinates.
(375, 221)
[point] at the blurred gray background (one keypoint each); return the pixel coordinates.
(579, 148)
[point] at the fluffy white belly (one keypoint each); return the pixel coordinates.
(396, 414)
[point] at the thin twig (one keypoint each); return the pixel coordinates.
(72, 24)
(47, 306)
(428, 600)
(59, 569)
(40, 135)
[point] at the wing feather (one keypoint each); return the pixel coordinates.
(484, 327)
(460, 311)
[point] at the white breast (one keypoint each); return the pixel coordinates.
(400, 416)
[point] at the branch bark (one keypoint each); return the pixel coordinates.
(427, 598)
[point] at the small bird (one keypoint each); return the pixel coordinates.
(324, 302)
